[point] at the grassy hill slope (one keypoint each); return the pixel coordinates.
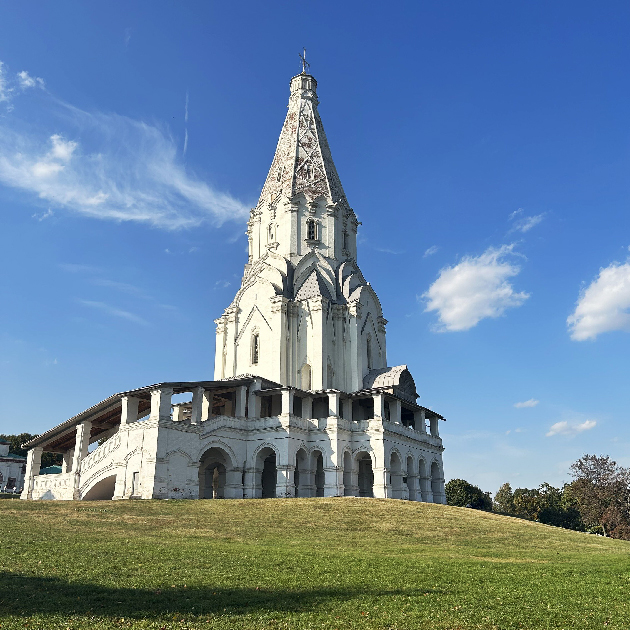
(301, 563)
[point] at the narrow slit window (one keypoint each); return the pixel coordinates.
(345, 240)
(255, 348)
(311, 232)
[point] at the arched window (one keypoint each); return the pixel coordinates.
(255, 348)
(345, 240)
(271, 233)
(311, 229)
(369, 352)
(306, 377)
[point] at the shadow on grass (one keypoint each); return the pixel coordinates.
(30, 595)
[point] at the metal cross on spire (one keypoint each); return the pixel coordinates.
(305, 64)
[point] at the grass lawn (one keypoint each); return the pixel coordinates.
(301, 563)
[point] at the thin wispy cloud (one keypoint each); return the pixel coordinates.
(532, 402)
(107, 167)
(114, 312)
(186, 123)
(385, 250)
(429, 252)
(523, 223)
(127, 38)
(79, 268)
(27, 81)
(5, 90)
(477, 288)
(604, 306)
(570, 429)
(45, 215)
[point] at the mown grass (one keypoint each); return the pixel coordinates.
(301, 563)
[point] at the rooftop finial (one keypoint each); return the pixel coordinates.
(305, 64)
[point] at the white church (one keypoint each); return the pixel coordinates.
(303, 403)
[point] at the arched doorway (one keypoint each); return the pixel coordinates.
(213, 467)
(366, 475)
(317, 464)
(103, 490)
(269, 477)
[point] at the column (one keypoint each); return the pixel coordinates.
(197, 405)
(129, 411)
(80, 451)
(66, 465)
(33, 463)
(395, 411)
(241, 401)
(206, 405)
(333, 403)
(249, 488)
(285, 481)
(254, 401)
(379, 406)
(419, 421)
(347, 409)
(287, 402)
(234, 483)
(382, 487)
(434, 426)
(161, 404)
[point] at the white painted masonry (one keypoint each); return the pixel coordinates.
(303, 402)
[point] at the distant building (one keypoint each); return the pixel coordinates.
(303, 402)
(12, 469)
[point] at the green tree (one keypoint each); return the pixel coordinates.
(527, 503)
(463, 494)
(15, 446)
(504, 500)
(601, 490)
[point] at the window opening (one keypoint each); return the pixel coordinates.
(311, 232)
(255, 348)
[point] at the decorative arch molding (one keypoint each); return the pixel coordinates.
(129, 455)
(245, 325)
(263, 446)
(369, 451)
(179, 451)
(220, 445)
(93, 479)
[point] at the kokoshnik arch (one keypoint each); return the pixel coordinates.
(303, 402)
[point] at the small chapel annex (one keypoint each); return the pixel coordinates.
(303, 403)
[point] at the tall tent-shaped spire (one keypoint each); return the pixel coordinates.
(303, 162)
(304, 312)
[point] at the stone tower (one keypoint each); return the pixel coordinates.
(304, 316)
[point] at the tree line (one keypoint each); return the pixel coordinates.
(15, 447)
(597, 500)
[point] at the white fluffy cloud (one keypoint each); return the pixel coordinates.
(532, 402)
(122, 169)
(604, 305)
(476, 288)
(565, 428)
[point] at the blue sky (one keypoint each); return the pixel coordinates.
(484, 147)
